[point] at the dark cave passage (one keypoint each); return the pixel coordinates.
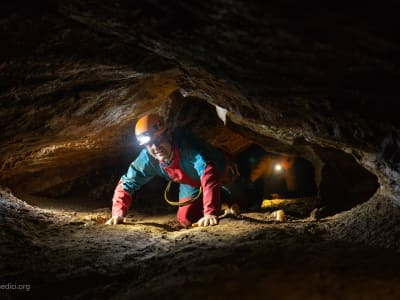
(335, 184)
(272, 176)
(344, 183)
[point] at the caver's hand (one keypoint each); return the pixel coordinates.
(207, 220)
(115, 220)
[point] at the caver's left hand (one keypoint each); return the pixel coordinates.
(115, 220)
(207, 220)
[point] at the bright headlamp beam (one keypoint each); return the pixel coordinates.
(143, 139)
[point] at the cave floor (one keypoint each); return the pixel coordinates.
(70, 254)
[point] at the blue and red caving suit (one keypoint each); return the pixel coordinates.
(195, 163)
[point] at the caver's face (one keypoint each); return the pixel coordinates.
(160, 148)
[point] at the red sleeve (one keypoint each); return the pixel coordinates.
(121, 201)
(211, 185)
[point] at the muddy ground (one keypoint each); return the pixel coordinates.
(70, 254)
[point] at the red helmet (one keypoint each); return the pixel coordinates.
(149, 128)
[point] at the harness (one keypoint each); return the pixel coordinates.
(182, 203)
(231, 173)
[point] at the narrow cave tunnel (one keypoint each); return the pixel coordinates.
(315, 188)
(340, 183)
(301, 97)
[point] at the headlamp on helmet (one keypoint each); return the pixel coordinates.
(148, 128)
(143, 138)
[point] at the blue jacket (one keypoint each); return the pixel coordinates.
(194, 156)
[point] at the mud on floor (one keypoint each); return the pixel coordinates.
(72, 255)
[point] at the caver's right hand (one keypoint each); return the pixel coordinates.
(115, 221)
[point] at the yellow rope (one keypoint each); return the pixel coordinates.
(182, 203)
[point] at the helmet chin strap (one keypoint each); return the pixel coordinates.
(170, 156)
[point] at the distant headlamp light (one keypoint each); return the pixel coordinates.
(278, 167)
(143, 138)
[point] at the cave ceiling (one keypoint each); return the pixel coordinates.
(292, 77)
